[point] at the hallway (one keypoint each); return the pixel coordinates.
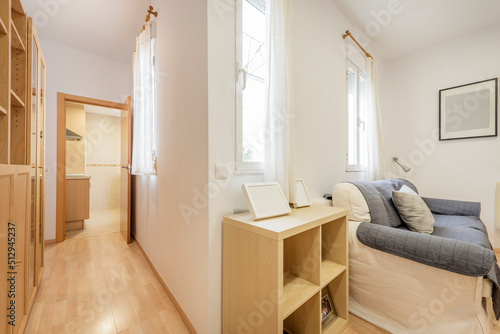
(101, 285)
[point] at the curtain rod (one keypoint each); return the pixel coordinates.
(148, 17)
(348, 33)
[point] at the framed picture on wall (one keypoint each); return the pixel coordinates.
(468, 111)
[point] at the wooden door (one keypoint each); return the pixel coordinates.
(126, 175)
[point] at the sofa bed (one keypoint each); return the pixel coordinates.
(404, 281)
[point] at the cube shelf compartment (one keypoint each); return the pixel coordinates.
(275, 269)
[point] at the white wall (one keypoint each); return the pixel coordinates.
(75, 72)
(177, 244)
(465, 169)
(103, 148)
(319, 97)
(225, 196)
(320, 102)
(75, 150)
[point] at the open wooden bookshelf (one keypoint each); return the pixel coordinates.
(16, 40)
(274, 271)
(16, 100)
(3, 28)
(13, 83)
(17, 6)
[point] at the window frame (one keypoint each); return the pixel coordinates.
(242, 167)
(359, 72)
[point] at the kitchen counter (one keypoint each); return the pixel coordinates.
(77, 201)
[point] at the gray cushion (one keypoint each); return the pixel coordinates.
(413, 210)
(378, 196)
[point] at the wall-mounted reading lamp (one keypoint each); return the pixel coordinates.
(406, 169)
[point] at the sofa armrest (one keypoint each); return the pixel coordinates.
(452, 207)
(462, 257)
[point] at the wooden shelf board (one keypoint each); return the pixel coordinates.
(3, 28)
(16, 41)
(329, 271)
(337, 327)
(17, 6)
(296, 291)
(15, 100)
(3, 111)
(283, 227)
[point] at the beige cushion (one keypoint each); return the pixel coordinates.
(347, 195)
(413, 210)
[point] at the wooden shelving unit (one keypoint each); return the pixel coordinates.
(18, 84)
(3, 28)
(274, 271)
(5, 18)
(24, 195)
(17, 42)
(17, 6)
(16, 100)
(13, 83)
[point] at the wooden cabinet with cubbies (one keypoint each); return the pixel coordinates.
(274, 272)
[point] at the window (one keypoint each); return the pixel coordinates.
(144, 103)
(356, 105)
(251, 85)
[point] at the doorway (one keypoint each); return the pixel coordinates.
(93, 155)
(93, 166)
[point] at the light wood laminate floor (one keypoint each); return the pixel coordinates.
(100, 222)
(100, 285)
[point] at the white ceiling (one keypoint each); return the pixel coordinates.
(416, 25)
(107, 28)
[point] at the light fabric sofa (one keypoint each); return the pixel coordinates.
(403, 296)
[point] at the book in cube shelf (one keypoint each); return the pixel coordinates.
(328, 311)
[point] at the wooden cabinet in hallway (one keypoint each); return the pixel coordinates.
(22, 165)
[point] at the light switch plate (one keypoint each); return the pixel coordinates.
(221, 172)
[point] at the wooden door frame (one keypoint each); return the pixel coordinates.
(62, 100)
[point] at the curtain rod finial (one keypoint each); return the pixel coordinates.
(150, 11)
(347, 33)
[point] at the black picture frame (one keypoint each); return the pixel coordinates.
(469, 111)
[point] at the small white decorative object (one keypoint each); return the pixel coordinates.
(302, 197)
(265, 200)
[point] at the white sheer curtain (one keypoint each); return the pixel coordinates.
(143, 146)
(374, 142)
(280, 157)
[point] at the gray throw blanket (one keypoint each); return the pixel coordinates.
(458, 244)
